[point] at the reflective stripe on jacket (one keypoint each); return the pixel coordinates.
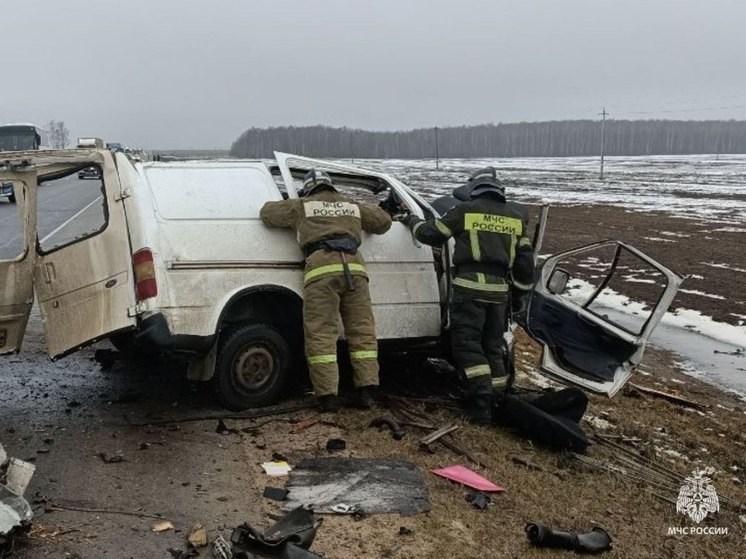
(326, 215)
(491, 244)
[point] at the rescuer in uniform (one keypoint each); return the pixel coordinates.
(328, 226)
(492, 256)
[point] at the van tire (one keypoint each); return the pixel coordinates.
(12, 198)
(253, 367)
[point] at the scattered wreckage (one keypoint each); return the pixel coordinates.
(15, 511)
(181, 260)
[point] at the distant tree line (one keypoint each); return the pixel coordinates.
(521, 139)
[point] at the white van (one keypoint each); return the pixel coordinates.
(179, 262)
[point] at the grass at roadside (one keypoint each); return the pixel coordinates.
(562, 493)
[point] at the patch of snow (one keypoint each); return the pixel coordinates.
(701, 293)
(730, 230)
(724, 267)
(673, 234)
(633, 279)
(659, 239)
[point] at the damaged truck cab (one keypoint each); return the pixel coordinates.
(183, 265)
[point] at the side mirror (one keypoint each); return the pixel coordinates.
(558, 281)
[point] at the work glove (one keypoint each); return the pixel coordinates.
(407, 219)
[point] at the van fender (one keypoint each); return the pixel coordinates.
(202, 367)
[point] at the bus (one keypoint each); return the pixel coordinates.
(20, 137)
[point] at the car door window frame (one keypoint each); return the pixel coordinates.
(72, 171)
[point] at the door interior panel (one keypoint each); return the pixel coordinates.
(581, 346)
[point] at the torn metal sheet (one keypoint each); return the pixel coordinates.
(367, 486)
(15, 511)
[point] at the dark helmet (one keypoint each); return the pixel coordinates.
(316, 180)
(485, 181)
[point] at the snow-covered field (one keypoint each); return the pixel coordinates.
(697, 186)
(707, 189)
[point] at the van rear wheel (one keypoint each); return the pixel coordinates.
(252, 367)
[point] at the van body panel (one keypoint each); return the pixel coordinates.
(210, 244)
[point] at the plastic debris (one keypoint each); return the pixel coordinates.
(595, 541)
(276, 469)
(15, 511)
(465, 476)
(478, 500)
(198, 536)
(221, 549)
(162, 526)
(335, 444)
(275, 493)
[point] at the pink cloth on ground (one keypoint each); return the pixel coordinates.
(466, 477)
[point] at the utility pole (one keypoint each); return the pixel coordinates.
(603, 114)
(437, 150)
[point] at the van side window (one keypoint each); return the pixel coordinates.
(71, 208)
(12, 244)
(360, 188)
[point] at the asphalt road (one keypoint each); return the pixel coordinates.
(65, 415)
(67, 208)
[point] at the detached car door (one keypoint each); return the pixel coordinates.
(593, 310)
(17, 256)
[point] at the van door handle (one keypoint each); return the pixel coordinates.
(49, 273)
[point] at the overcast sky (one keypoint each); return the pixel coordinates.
(194, 73)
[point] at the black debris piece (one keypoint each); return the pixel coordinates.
(277, 457)
(222, 429)
(389, 421)
(183, 554)
(289, 538)
(375, 486)
(550, 420)
(115, 459)
(478, 500)
(275, 493)
(596, 541)
(335, 444)
(404, 531)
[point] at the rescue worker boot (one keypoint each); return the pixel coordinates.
(479, 400)
(328, 403)
(364, 399)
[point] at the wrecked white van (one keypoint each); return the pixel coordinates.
(179, 262)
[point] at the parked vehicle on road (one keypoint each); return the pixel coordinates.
(89, 173)
(184, 264)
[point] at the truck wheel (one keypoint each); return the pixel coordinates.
(12, 198)
(252, 367)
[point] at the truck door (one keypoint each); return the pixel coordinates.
(17, 255)
(593, 310)
(404, 284)
(83, 273)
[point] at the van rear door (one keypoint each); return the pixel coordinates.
(83, 274)
(17, 255)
